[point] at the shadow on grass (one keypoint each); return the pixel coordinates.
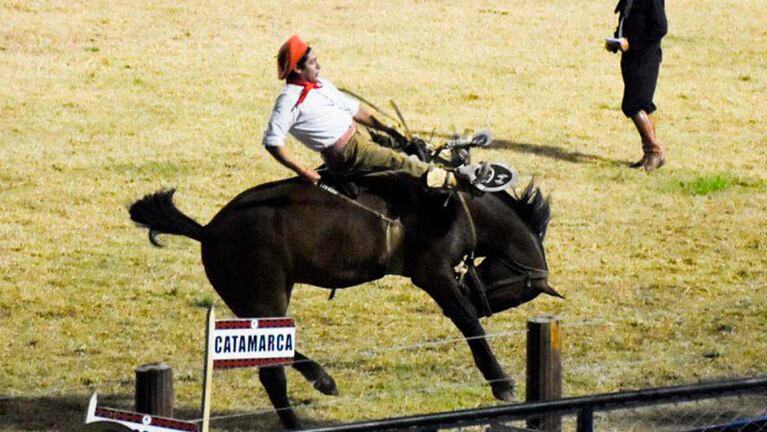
(262, 422)
(49, 413)
(67, 413)
(546, 150)
(555, 152)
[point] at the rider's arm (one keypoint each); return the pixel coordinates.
(284, 157)
(280, 122)
(365, 118)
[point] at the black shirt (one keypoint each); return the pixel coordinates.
(645, 24)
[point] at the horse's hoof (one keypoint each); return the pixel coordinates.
(326, 385)
(504, 391)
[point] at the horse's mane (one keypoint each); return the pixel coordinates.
(531, 206)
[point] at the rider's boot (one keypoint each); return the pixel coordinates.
(482, 177)
(438, 178)
(653, 152)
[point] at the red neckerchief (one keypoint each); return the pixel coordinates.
(308, 86)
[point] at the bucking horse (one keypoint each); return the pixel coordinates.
(277, 234)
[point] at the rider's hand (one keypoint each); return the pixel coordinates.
(398, 137)
(624, 44)
(311, 176)
(615, 45)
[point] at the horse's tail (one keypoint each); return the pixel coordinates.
(158, 213)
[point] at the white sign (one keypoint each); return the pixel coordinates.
(252, 342)
(137, 422)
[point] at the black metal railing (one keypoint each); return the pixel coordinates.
(583, 407)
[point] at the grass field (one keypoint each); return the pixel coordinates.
(102, 102)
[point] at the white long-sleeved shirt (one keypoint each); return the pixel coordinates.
(317, 123)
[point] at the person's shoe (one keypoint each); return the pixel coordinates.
(464, 178)
(482, 177)
(653, 161)
(469, 173)
(640, 163)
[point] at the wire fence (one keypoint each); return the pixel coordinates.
(742, 413)
(689, 408)
(326, 361)
(737, 412)
(671, 417)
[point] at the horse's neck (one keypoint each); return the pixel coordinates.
(498, 226)
(395, 194)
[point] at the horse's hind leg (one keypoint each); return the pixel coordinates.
(253, 291)
(315, 374)
(276, 385)
(272, 377)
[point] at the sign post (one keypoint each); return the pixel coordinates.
(207, 379)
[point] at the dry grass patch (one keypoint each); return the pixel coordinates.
(103, 102)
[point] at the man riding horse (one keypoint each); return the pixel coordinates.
(325, 120)
(275, 235)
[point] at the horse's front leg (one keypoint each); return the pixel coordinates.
(444, 289)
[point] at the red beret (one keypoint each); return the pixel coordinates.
(289, 54)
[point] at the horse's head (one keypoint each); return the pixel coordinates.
(505, 285)
(520, 274)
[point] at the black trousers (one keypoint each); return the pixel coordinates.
(640, 76)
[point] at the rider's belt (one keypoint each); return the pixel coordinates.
(342, 140)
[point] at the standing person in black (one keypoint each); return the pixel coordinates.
(642, 25)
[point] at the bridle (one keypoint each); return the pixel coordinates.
(526, 274)
(479, 290)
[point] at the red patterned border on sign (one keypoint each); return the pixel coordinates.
(228, 364)
(174, 424)
(138, 418)
(118, 415)
(262, 323)
(233, 324)
(276, 322)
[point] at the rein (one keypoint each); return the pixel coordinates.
(478, 287)
(353, 202)
(471, 224)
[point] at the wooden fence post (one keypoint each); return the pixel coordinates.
(154, 389)
(544, 369)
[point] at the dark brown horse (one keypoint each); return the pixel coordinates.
(278, 234)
